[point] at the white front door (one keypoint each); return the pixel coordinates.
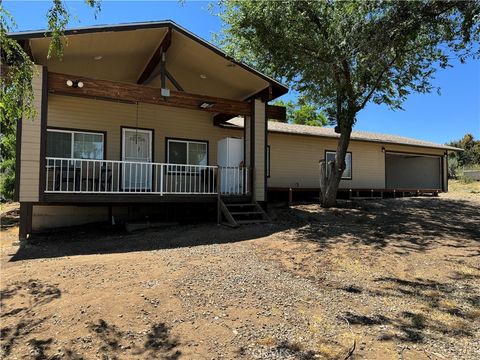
(137, 149)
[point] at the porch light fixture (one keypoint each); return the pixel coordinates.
(165, 92)
(383, 149)
(206, 105)
(74, 83)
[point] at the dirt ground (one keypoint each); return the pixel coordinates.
(386, 279)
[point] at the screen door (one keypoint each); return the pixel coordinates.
(137, 151)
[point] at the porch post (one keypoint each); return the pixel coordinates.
(255, 148)
(25, 226)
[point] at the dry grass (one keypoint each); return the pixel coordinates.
(460, 187)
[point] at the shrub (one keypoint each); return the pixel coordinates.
(453, 168)
(466, 179)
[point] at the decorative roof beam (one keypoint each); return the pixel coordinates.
(173, 81)
(128, 92)
(273, 112)
(158, 57)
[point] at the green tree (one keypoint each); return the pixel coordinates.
(341, 55)
(469, 157)
(16, 93)
(303, 113)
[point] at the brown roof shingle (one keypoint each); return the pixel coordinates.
(274, 126)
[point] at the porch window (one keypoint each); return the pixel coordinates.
(347, 173)
(187, 152)
(71, 144)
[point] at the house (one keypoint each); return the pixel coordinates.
(140, 115)
(377, 164)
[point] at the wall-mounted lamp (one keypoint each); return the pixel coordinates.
(206, 105)
(74, 83)
(383, 149)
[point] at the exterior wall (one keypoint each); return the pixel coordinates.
(294, 161)
(167, 122)
(31, 145)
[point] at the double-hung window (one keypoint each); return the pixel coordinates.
(347, 173)
(70, 144)
(188, 152)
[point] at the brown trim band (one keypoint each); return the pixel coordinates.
(43, 133)
(253, 175)
(265, 134)
(125, 198)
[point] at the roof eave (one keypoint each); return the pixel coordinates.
(279, 89)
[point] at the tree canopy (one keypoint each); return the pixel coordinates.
(471, 151)
(16, 93)
(341, 55)
(303, 113)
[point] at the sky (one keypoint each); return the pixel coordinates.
(431, 117)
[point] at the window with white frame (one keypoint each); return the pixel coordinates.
(189, 152)
(71, 144)
(347, 173)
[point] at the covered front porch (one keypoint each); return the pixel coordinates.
(156, 83)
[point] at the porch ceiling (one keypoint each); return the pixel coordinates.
(198, 67)
(124, 54)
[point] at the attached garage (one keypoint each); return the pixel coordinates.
(413, 171)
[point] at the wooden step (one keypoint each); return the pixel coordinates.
(236, 214)
(257, 221)
(246, 213)
(241, 205)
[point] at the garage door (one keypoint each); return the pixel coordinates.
(411, 171)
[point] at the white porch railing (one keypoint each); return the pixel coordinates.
(115, 177)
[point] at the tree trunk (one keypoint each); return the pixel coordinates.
(331, 173)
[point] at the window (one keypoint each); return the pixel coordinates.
(268, 161)
(75, 144)
(187, 152)
(347, 173)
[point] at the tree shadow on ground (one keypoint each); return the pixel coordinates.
(19, 322)
(103, 239)
(408, 225)
(158, 343)
(412, 224)
(441, 309)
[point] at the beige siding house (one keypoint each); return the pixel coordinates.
(378, 162)
(149, 120)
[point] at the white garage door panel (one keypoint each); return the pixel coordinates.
(410, 171)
